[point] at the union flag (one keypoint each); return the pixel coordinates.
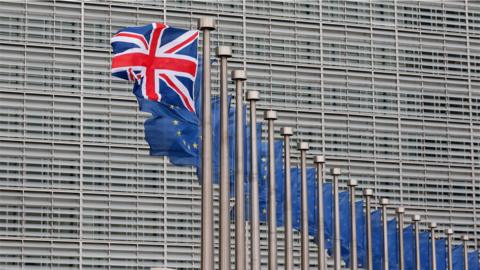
(161, 60)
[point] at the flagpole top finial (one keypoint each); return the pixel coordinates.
(449, 231)
(336, 171)
(384, 201)
(253, 95)
(303, 146)
(368, 192)
(352, 183)
(432, 225)
(239, 74)
(286, 131)
(270, 115)
(400, 210)
(224, 51)
(206, 23)
(319, 159)
(416, 218)
(465, 237)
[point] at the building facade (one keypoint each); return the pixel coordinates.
(389, 91)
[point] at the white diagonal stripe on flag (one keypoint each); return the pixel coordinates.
(177, 41)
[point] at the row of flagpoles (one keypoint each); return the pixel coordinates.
(207, 254)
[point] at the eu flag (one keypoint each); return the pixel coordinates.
(473, 261)
(392, 244)
(263, 180)
(441, 255)
(171, 131)
(457, 254)
(377, 239)
(425, 250)
(409, 247)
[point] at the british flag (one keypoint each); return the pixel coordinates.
(161, 60)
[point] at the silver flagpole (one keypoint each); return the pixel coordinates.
(223, 52)
(368, 193)
(400, 223)
(416, 220)
(239, 76)
(336, 219)
(270, 116)
(286, 133)
(320, 162)
(465, 252)
(433, 261)
(449, 233)
(207, 24)
(253, 97)
(352, 183)
(303, 147)
(384, 203)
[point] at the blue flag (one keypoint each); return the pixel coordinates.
(425, 251)
(392, 244)
(377, 239)
(409, 247)
(473, 260)
(361, 236)
(441, 255)
(171, 131)
(216, 136)
(328, 216)
(311, 200)
(263, 181)
(296, 203)
(457, 254)
(345, 224)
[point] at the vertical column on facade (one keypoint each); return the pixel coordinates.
(399, 119)
(322, 94)
(82, 60)
(470, 105)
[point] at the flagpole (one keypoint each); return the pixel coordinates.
(320, 162)
(207, 24)
(253, 97)
(416, 220)
(368, 193)
(433, 261)
(336, 218)
(352, 183)
(465, 252)
(239, 76)
(384, 203)
(449, 233)
(286, 133)
(401, 253)
(270, 116)
(303, 147)
(223, 52)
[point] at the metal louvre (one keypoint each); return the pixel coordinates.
(389, 93)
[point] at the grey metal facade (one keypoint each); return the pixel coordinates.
(388, 90)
